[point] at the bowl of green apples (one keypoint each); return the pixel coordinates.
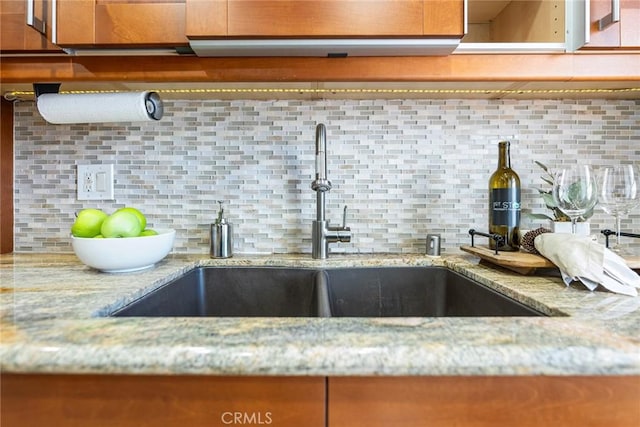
(120, 242)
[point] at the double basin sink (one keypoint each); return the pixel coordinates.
(331, 292)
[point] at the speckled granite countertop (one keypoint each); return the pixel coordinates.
(53, 308)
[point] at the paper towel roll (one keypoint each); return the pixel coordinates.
(100, 107)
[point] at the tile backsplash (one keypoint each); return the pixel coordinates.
(404, 167)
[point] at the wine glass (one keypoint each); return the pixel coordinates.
(575, 191)
(619, 192)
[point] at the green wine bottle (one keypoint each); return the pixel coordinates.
(504, 201)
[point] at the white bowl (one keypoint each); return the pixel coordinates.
(120, 255)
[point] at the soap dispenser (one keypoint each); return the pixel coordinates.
(221, 236)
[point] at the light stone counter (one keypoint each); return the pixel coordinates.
(53, 319)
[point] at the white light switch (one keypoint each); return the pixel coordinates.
(101, 181)
(95, 182)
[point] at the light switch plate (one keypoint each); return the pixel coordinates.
(95, 182)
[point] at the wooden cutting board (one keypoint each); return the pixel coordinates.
(524, 262)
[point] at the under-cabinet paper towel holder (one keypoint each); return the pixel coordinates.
(74, 108)
(41, 88)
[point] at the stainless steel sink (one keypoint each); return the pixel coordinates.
(235, 291)
(334, 292)
(415, 291)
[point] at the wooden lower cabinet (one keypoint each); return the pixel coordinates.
(484, 401)
(193, 401)
(163, 401)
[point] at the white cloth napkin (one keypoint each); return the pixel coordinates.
(581, 259)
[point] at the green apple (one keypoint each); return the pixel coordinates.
(88, 223)
(136, 212)
(148, 232)
(121, 224)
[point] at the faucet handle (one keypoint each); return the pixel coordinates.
(344, 233)
(344, 217)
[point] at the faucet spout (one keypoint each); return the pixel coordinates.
(322, 233)
(321, 183)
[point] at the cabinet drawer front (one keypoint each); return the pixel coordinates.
(180, 401)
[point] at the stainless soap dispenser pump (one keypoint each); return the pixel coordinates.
(221, 236)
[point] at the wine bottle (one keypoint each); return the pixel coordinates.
(504, 201)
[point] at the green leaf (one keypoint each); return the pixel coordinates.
(575, 191)
(548, 180)
(544, 168)
(548, 200)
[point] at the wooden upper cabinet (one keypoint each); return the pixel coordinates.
(324, 18)
(16, 35)
(141, 23)
(444, 18)
(206, 18)
(622, 34)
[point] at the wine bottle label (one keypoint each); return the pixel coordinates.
(505, 206)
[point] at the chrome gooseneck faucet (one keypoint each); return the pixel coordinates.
(322, 234)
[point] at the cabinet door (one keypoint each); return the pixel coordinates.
(16, 35)
(444, 18)
(325, 18)
(206, 18)
(484, 401)
(624, 34)
(167, 401)
(121, 23)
